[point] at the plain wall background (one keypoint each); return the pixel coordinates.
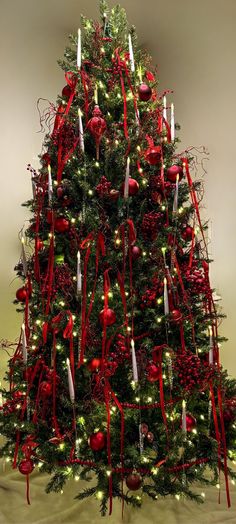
(194, 45)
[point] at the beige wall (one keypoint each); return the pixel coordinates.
(193, 43)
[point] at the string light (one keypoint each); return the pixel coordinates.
(99, 495)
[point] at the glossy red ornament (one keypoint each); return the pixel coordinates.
(190, 422)
(150, 437)
(94, 364)
(133, 187)
(97, 441)
(187, 233)
(153, 373)
(144, 92)
(153, 155)
(26, 466)
(136, 252)
(175, 315)
(173, 171)
(133, 481)
(39, 244)
(46, 388)
(21, 294)
(66, 91)
(108, 315)
(61, 225)
(97, 127)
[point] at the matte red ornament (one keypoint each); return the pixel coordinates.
(136, 252)
(173, 171)
(94, 364)
(61, 225)
(175, 315)
(133, 481)
(97, 127)
(26, 466)
(46, 388)
(153, 155)
(97, 441)
(144, 92)
(133, 187)
(187, 233)
(190, 422)
(66, 91)
(21, 294)
(108, 315)
(153, 373)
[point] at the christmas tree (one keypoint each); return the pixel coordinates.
(116, 377)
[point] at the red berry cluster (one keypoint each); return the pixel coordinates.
(120, 351)
(190, 370)
(148, 299)
(65, 135)
(195, 276)
(104, 187)
(149, 225)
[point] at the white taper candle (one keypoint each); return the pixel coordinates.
(1, 400)
(184, 424)
(131, 55)
(23, 257)
(50, 189)
(164, 108)
(172, 122)
(211, 347)
(70, 381)
(166, 299)
(81, 131)
(96, 95)
(79, 276)
(176, 195)
(79, 49)
(134, 362)
(24, 344)
(126, 187)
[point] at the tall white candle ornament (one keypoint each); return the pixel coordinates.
(131, 55)
(24, 344)
(96, 95)
(70, 381)
(176, 195)
(166, 299)
(81, 131)
(164, 108)
(184, 424)
(50, 189)
(1, 400)
(23, 257)
(79, 276)
(134, 362)
(79, 49)
(172, 122)
(211, 347)
(126, 187)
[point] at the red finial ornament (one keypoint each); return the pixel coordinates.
(97, 127)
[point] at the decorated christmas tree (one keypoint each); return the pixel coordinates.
(116, 377)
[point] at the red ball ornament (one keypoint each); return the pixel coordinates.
(153, 373)
(190, 422)
(66, 91)
(173, 171)
(175, 315)
(107, 315)
(21, 294)
(46, 388)
(153, 155)
(26, 466)
(187, 233)
(144, 92)
(133, 481)
(136, 252)
(133, 187)
(39, 244)
(97, 127)
(94, 364)
(97, 441)
(61, 225)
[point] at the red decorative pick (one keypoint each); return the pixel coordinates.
(97, 127)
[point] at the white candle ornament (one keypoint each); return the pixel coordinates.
(81, 131)
(166, 299)
(79, 49)
(24, 344)
(79, 276)
(176, 195)
(96, 95)
(184, 424)
(23, 257)
(126, 187)
(50, 189)
(70, 381)
(131, 55)
(211, 347)
(164, 108)
(172, 122)
(134, 362)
